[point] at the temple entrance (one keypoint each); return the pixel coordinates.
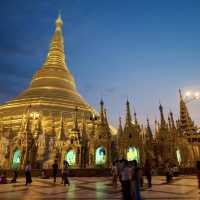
(100, 156)
(16, 159)
(70, 157)
(178, 156)
(133, 154)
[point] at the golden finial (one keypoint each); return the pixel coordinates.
(59, 22)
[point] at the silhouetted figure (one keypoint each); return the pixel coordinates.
(28, 173)
(3, 178)
(125, 181)
(136, 177)
(55, 170)
(65, 173)
(120, 164)
(15, 172)
(175, 170)
(114, 174)
(148, 171)
(140, 174)
(198, 173)
(168, 173)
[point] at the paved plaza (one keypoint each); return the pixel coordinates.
(88, 188)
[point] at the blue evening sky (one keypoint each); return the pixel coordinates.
(143, 50)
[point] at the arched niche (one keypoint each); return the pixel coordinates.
(133, 154)
(178, 156)
(100, 156)
(16, 160)
(70, 157)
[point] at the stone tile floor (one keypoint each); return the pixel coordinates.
(184, 187)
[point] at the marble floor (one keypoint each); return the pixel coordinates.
(184, 187)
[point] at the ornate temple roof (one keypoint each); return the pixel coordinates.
(186, 123)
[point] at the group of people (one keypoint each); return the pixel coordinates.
(55, 169)
(64, 172)
(130, 176)
(44, 175)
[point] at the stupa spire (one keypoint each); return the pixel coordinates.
(162, 119)
(120, 129)
(149, 131)
(128, 114)
(172, 120)
(59, 22)
(56, 54)
(135, 118)
(102, 111)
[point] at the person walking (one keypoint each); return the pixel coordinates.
(28, 173)
(15, 175)
(168, 173)
(119, 169)
(65, 173)
(136, 180)
(55, 170)
(148, 172)
(114, 172)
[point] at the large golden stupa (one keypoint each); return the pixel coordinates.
(52, 87)
(51, 120)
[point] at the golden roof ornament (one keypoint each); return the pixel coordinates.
(59, 22)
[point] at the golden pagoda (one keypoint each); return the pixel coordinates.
(188, 129)
(51, 121)
(186, 123)
(52, 87)
(44, 120)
